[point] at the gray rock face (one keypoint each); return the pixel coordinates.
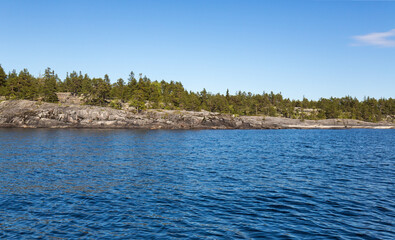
(31, 114)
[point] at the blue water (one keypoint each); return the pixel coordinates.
(211, 184)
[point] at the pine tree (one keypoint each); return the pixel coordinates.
(49, 88)
(100, 91)
(29, 85)
(86, 86)
(3, 77)
(3, 81)
(73, 83)
(118, 90)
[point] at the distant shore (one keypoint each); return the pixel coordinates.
(32, 114)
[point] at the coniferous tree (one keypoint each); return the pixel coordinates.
(73, 83)
(100, 91)
(49, 88)
(119, 90)
(132, 85)
(13, 85)
(137, 100)
(3, 77)
(144, 93)
(86, 86)
(22, 85)
(3, 81)
(29, 85)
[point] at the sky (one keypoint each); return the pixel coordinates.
(301, 48)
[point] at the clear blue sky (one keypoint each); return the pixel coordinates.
(300, 48)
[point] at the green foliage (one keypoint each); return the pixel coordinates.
(143, 93)
(119, 90)
(86, 85)
(3, 77)
(21, 86)
(137, 100)
(99, 91)
(116, 103)
(73, 83)
(49, 87)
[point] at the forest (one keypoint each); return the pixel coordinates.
(141, 93)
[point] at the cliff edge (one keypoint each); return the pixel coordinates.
(32, 114)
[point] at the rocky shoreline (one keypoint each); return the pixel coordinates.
(32, 114)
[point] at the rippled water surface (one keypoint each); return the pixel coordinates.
(271, 184)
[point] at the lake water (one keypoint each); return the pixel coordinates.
(212, 184)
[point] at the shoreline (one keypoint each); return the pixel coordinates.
(32, 114)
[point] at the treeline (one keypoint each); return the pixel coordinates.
(142, 93)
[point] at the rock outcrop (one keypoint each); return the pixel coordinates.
(31, 114)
